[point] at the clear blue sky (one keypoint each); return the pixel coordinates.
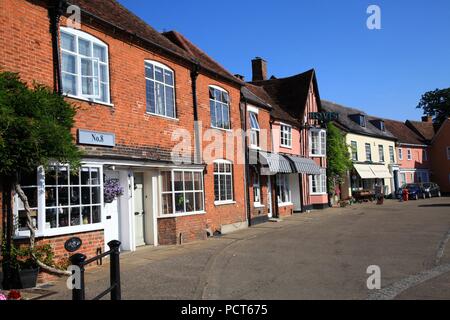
(383, 72)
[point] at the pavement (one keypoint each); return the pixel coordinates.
(318, 255)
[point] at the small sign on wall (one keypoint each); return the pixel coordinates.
(96, 138)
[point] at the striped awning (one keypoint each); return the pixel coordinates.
(305, 165)
(272, 162)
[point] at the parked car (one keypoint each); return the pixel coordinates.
(415, 191)
(431, 189)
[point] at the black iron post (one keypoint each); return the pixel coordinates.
(114, 245)
(78, 260)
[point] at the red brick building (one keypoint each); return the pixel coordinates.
(139, 95)
(413, 154)
(297, 160)
(440, 157)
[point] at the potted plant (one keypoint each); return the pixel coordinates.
(112, 190)
(25, 270)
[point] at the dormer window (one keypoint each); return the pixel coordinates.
(379, 124)
(359, 119)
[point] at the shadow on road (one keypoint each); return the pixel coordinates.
(434, 205)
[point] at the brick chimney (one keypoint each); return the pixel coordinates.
(259, 69)
(427, 119)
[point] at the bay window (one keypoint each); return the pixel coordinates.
(283, 189)
(219, 102)
(62, 200)
(160, 89)
(223, 181)
(318, 184)
(182, 192)
(318, 142)
(84, 66)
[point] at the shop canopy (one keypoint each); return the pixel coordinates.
(370, 171)
(305, 165)
(380, 171)
(272, 163)
(364, 171)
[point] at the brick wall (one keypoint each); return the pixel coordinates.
(285, 211)
(91, 242)
(189, 228)
(25, 47)
(230, 213)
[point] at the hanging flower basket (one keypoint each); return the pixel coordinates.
(112, 190)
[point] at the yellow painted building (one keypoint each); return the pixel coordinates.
(371, 148)
(374, 160)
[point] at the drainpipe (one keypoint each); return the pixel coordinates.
(247, 165)
(194, 74)
(55, 11)
(275, 209)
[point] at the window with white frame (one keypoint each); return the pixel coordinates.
(400, 153)
(219, 102)
(318, 184)
(318, 143)
(391, 154)
(62, 199)
(254, 130)
(256, 189)
(283, 189)
(84, 66)
(381, 152)
(182, 192)
(354, 150)
(409, 154)
(286, 136)
(160, 89)
(368, 152)
(223, 181)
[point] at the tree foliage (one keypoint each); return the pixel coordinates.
(35, 127)
(338, 157)
(436, 104)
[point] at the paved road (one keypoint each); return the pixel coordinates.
(319, 255)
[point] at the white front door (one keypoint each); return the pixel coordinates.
(269, 196)
(111, 214)
(139, 209)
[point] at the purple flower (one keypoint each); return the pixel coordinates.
(111, 190)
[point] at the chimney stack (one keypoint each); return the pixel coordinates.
(427, 119)
(259, 69)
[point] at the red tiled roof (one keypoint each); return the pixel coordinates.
(402, 132)
(114, 13)
(277, 111)
(289, 95)
(206, 61)
(425, 129)
(173, 42)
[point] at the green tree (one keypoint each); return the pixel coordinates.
(35, 129)
(338, 157)
(436, 104)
